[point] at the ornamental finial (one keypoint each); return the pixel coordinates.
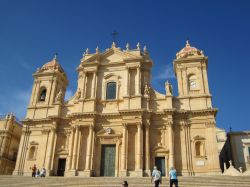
(138, 46)
(127, 46)
(55, 56)
(97, 49)
(145, 49)
(87, 51)
(187, 43)
(113, 45)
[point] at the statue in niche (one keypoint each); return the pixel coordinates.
(59, 96)
(146, 89)
(78, 94)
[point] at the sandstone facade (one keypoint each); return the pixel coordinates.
(116, 124)
(10, 134)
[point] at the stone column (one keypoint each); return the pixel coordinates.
(93, 85)
(127, 90)
(83, 85)
(73, 167)
(147, 151)
(70, 148)
(139, 150)
(18, 160)
(50, 149)
(204, 73)
(4, 143)
(171, 144)
(124, 151)
(96, 81)
(78, 148)
(185, 81)
(138, 81)
(89, 147)
(212, 149)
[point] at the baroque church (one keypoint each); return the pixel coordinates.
(116, 124)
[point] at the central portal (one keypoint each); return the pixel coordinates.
(108, 160)
(160, 163)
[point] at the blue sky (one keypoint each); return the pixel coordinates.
(32, 31)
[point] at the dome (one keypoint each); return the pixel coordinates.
(51, 66)
(189, 51)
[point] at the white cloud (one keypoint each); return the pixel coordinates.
(166, 73)
(15, 102)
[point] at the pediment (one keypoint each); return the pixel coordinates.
(199, 138)
(111, 55)
(159, 149)
(107, 132)
(61, 151)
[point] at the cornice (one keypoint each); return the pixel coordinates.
(212, 111)
(133, 111)
(193, 96)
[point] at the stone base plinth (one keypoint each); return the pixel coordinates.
(136, 173)
(15, 172)
(124, 173)
(147, 173)
(85, 173)
(70, 173)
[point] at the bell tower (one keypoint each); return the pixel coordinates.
(48, 91)
(190, 68)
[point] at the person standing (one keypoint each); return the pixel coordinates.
(34, 170)
(173, 177)
(43, 172)
(38, 173)
(156, 176)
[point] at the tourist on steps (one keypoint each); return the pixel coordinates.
(125, 184)
(34, 170)
(173, 177)
(156, 176)
(38, 173)
(43, 172)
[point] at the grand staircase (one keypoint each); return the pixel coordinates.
(201, 181)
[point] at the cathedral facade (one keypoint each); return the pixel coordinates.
(116, 124)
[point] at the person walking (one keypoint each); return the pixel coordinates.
(173, 177)
(156, 176)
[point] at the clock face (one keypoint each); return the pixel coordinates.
(192, 84)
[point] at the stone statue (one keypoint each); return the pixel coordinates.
(127, 46)
(138, 46)
(146, 89)
(59, 96)
(108, 130)
(169, 88)
(78, 94)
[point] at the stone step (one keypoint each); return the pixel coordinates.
(206, 181)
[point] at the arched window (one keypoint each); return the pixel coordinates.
(32, 152)
(111, 90)
(192, 82)
(199, 148)
(42, 94)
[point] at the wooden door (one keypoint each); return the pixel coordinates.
(108, 160)
(61, 167)
(160, 163)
